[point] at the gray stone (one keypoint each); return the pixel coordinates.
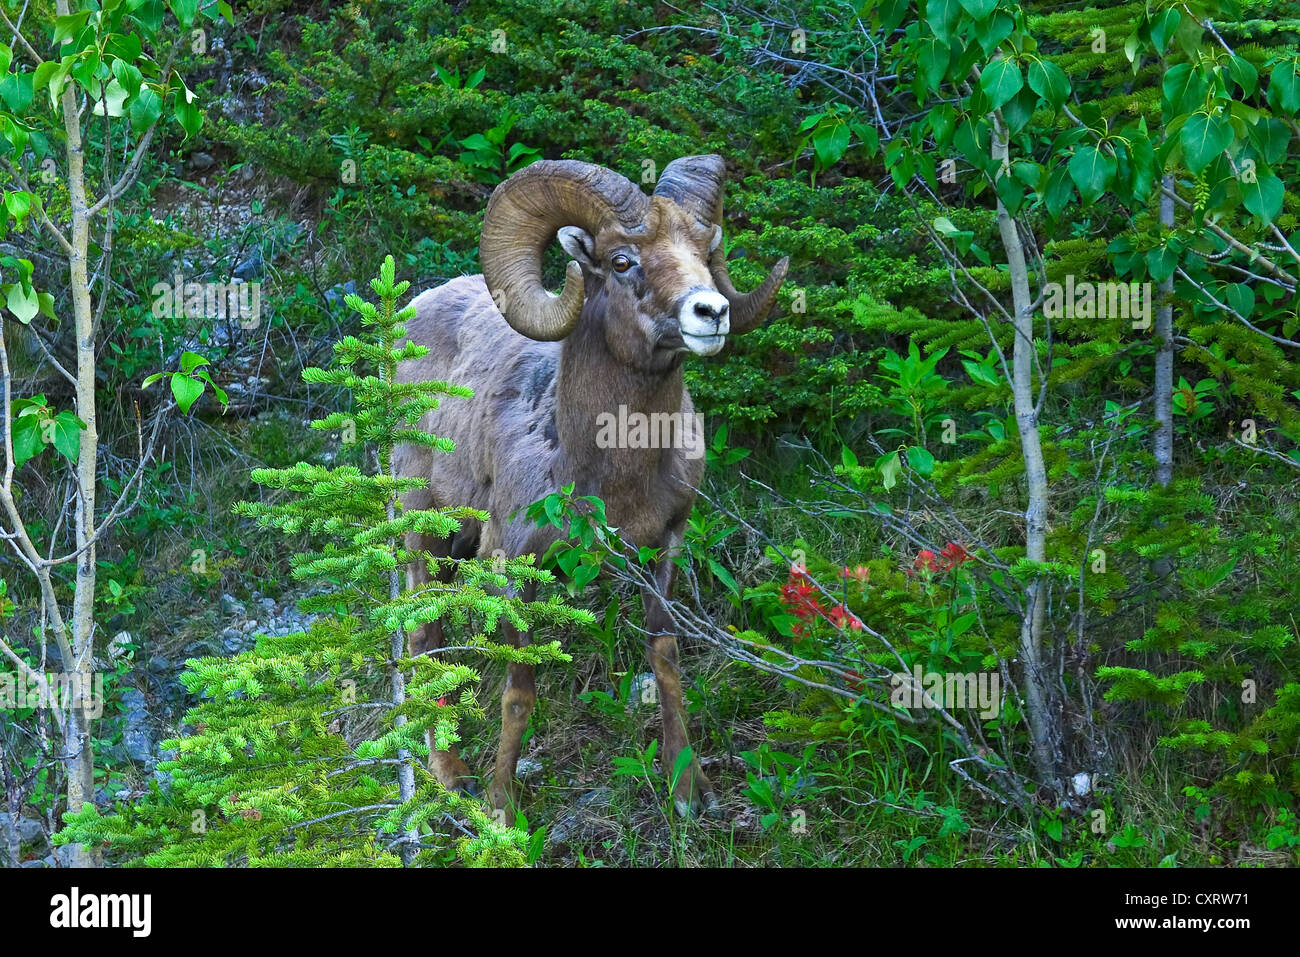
(62, 857)
(29, 829)
(251, 267)
(335, 295)
(164, 779)
(234, 641)
(644, 692)
(136, 736)
(117, 647)
(587, 808)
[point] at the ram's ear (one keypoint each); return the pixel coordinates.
(580, 244)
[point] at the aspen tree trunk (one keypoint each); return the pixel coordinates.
(72, 629)
(1041, 716)
(1163, 445)
(81, 760)
(12, 806)
(1164, 438)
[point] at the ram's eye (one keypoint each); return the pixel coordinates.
(621, 263)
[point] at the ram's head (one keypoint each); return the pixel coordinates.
(650, 269)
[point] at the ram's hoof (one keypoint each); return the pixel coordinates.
(504, 799)
(694, 796)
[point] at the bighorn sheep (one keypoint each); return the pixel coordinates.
(649, 284)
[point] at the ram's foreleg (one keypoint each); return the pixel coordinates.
(692, 791)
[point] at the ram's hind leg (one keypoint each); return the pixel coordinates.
(446, 766)
(517, 702)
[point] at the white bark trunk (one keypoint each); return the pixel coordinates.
(81, 762)
(1164, 385)
(1041, 716)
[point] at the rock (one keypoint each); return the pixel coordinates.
(527, 768)
(53, 660)
(335, 295)
(230, 605)
(599, 797)
(201, 161)
(117, 648)
(29, 829)
(234, 641)
(164, 779)
(136, 737)
(644, 692)
(587, 808)
(251, 266)
(159, 665)
(62, 857)
(176, 696)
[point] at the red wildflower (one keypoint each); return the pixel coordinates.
(801, 600)
(925, 561)
(841, 617)
(862, 573)
(953, 555)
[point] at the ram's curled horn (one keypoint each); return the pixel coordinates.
(695, 183)
(520, 222)
(748, 309)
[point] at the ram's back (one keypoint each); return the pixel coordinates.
(506, 442)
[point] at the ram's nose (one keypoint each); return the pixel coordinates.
(713, 310)
(705, 321)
